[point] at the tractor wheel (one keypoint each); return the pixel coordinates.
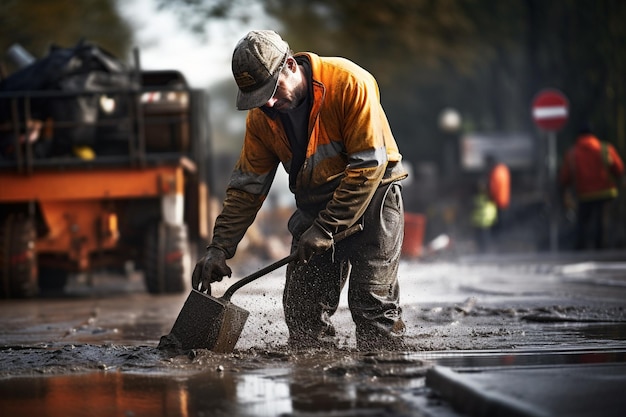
(18, 258)
(52, 279)
(166, 259)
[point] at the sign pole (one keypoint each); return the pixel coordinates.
(554, 224)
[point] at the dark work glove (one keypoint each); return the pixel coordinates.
(210, 268)
(314, 241)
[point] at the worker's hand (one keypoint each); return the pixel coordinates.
(210, 268)
(314, 241)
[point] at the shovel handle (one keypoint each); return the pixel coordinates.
(282, 262)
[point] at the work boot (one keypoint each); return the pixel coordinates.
(324, 340)
(299, 344)
(388, 343)
(376, 339)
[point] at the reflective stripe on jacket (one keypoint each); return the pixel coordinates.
(351, 152)
(591, 173)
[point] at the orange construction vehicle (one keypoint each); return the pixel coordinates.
(109, 170)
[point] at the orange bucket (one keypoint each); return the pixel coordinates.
(414, 226)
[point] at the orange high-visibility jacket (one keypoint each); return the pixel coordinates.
(500, 185)
(351, 152)
(592, 168)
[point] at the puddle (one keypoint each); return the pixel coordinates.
(96, 394)
(120, 394)
(272, 384)
(139, 382)
(596, 331)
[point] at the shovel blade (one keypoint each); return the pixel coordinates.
(206, 322)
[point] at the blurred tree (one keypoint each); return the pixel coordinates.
(579, 46)
(387, 38)
(196, 14)
(37, 24)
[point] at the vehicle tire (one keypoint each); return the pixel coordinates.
(18, 258)
(166, 259)
(52, 279)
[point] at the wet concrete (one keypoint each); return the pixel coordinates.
(94, 348)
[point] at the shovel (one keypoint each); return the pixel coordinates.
(206, 322)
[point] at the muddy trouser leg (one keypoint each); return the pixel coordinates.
(600, 212)
(311, 297)
(373, 295)
(370, 258)
(583, 217)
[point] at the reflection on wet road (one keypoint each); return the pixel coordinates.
(95, 394)
(256, 385)
(270, 384)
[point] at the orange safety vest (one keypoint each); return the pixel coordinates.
(500, 185)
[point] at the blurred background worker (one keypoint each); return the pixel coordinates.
(593, 169)
(321, 118)
(499, 188)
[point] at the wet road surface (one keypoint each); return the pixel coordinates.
(94, 347)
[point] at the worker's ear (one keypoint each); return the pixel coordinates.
(291, 64)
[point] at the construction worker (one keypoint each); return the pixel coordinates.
(321, 118)
(593, 169)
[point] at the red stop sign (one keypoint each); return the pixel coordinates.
(550, 110)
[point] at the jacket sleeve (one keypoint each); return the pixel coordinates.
(617, 165)
(364, 128)
(238, 213)
(249, 185)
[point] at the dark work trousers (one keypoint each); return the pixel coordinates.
(590, 224)
(369, 261)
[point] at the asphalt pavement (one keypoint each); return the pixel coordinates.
(573, 382)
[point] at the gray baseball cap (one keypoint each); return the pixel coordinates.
(257, 61)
